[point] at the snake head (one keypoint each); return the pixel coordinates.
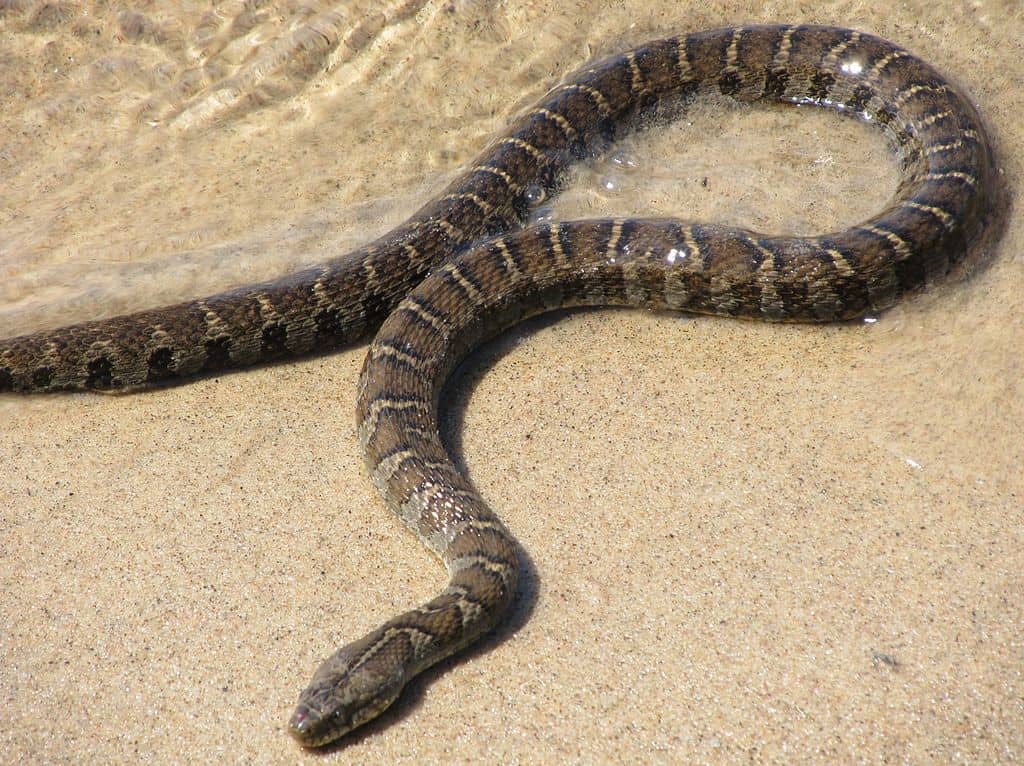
(354, 685)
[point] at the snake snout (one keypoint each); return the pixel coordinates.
(351, 687)
(303, 725)
(315, 727)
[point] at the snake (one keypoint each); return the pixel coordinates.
(468, 265)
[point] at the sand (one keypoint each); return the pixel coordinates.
(745, 543)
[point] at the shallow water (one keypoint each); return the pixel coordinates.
(217, 149)
(733, 528)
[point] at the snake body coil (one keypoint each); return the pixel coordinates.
(481, 282)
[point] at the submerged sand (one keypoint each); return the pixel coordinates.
(746, 543)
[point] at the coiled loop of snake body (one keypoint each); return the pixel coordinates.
(481, 282)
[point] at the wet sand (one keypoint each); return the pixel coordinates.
(745, 542)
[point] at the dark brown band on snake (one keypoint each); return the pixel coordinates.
(478, 286)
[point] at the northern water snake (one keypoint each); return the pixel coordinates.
(482, 280)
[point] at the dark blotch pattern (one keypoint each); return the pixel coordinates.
(274, 339)
(161, 363)
(41, 377)
(100, 373)
(218, 352)
(729, 83)
(329, 323)
(859, 99)
(776, 82)
(821, 84)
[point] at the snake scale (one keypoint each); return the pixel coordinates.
(453, 276)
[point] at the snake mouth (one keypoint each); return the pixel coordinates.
(314, 728)
(311, 729)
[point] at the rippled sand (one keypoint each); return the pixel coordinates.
(747, 542)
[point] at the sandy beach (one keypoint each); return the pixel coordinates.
(745, 543)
